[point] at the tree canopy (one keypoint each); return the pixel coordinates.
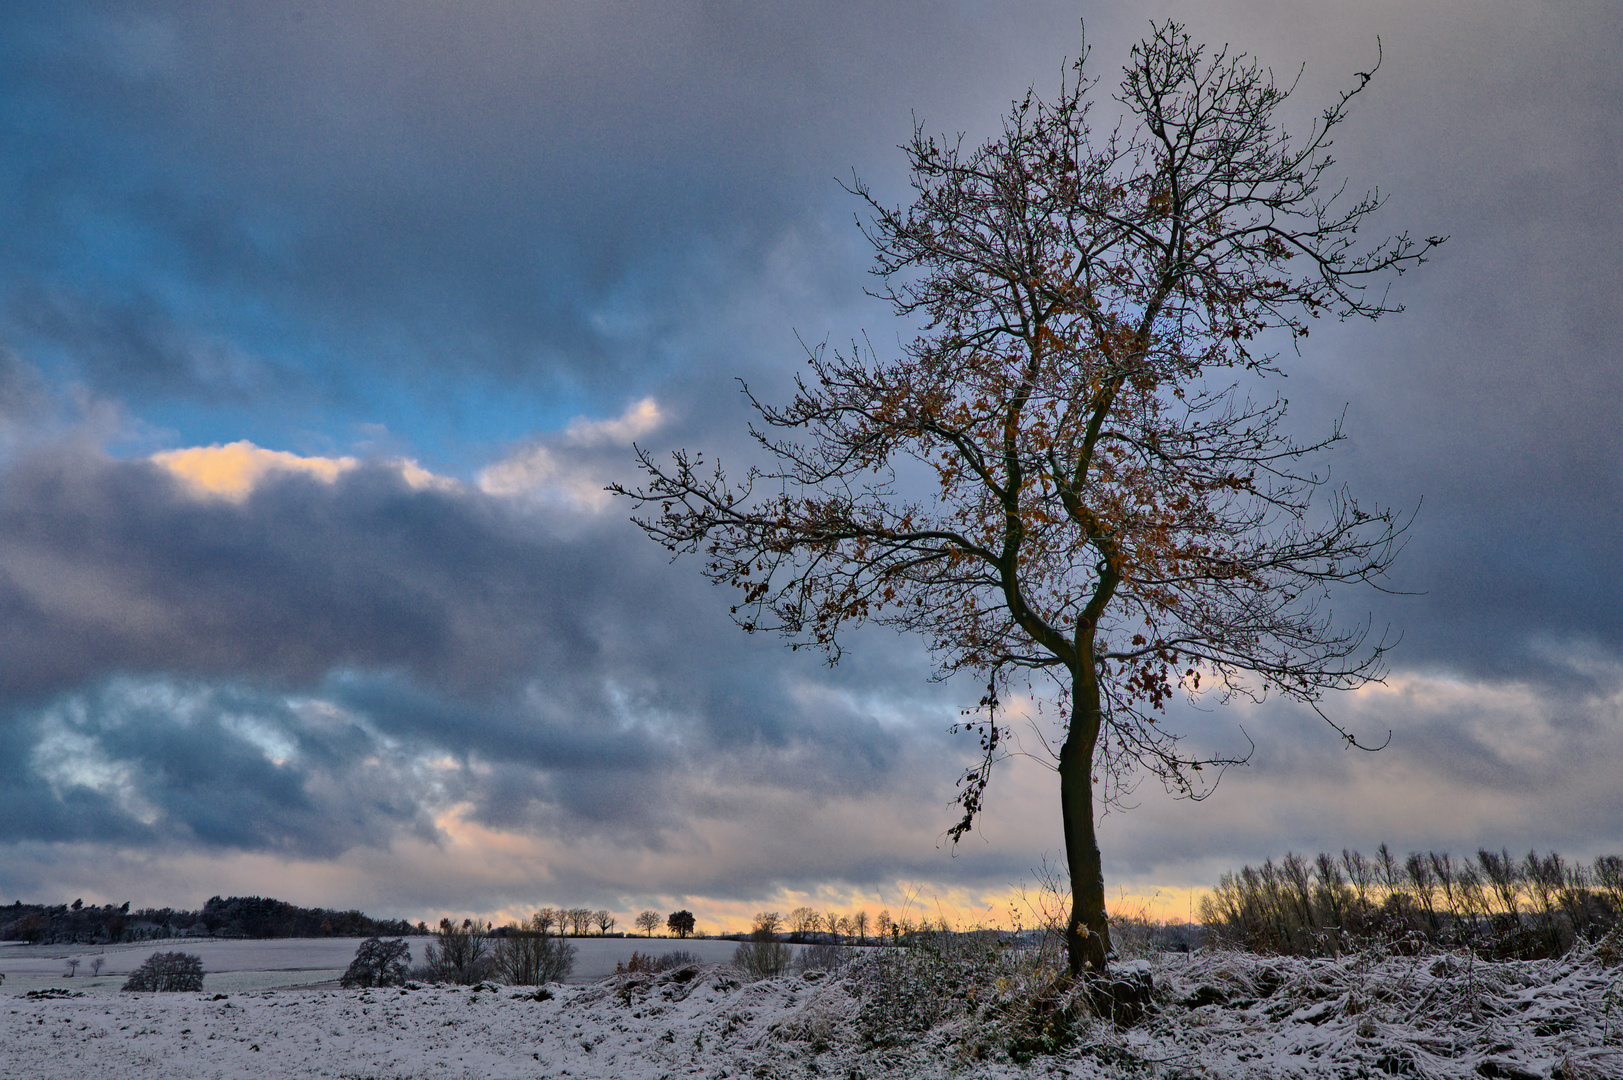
(1108, 514)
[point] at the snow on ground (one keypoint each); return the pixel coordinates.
(234, 966)
(1216, 1014)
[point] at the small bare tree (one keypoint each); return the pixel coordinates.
(1105, 516)
(603, 921)
(648, 922)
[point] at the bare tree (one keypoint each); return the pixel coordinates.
(543, 921)
(648, 922)
(532, 959)
(803, 921)
(603, 921)
(1109, 518)
(763, 957)
(1391, 873)
(458, 954)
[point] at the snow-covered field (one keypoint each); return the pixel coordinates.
(236, 966)
(1217, 1014)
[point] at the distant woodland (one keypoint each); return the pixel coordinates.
(233, 917)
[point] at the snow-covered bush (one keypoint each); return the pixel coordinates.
(674, 959)
(378, 963)
(907, 991)
(762, 959)
(825, 956)
(648, 963)
(999, 1000)
(168, 971)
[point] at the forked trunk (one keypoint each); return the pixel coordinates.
(1087, 932)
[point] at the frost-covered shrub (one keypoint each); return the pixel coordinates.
(648, 963)
(169, 971)
(378, 963)
(908, 991)
(825, 957)
(1004, 1000)
(674, 959)
(762, 959)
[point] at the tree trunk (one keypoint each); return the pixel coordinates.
(1087, 932)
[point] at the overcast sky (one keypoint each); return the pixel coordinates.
(322, 327)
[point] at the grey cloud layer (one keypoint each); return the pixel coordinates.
(242, 212)
(274, 675)
(489, 188)
(109, 566)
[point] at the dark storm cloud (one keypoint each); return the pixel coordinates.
(568, 677)
(164, 763)
(31, 810)
(483, 186)
(109, 566)
(1496, 399)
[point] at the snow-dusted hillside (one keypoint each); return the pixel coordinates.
(1226, 1015)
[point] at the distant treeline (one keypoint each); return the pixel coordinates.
(233, 917)
(1497, 904)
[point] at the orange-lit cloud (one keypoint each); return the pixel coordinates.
(232, 471)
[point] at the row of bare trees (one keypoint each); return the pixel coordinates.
(808, 925)
(523, 954)
(1530, 907)
(805, 924)
(577, 922)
